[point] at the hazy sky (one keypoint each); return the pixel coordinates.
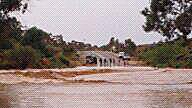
(92, 21)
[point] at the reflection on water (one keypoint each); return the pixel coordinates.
(95, 96)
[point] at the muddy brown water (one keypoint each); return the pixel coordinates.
(95, 96)
(153, 89)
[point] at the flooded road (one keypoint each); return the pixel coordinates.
(146, 90)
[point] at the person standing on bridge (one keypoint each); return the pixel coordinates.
(125, 64)
(119, 62)
(101, 62)
(110, 62)
(113, 62)
(105, 62)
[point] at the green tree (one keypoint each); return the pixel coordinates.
(171, 18)
(130, 46)
(36, 38)
(112, 41)
(9, 26)
(164, 55)
(7, 6)
(7, 22)
(22, 57)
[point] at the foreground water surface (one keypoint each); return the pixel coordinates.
(129, 89)
(95, 96)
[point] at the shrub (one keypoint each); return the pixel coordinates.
(64, 60)
(22, 57)
(165, 55)
(35, 37)
(5, 44)
(189, 64)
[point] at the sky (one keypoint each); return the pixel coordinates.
(90, 21)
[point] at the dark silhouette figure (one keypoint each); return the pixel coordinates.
(110, 61)
(100, 61)
(119, 62)
(105, 62)
(113, 61)
(124, 63)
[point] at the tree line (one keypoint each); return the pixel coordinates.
(36, 48)
(31, 48)
(128, 46)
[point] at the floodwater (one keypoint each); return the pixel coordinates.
(97, 95)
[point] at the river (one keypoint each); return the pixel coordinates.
(99, 95)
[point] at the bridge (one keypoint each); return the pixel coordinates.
(101, 58)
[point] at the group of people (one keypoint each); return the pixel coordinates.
(104, 62)
(112, 62)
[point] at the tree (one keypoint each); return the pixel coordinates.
(22, 57)
(130, 46)
(112, 41)
(9, 26)
(117, 43)
(171, 18)
(36, 38)
(5, 45)
(166, 55)
(7, 6)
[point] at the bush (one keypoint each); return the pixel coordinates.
(64, 60)
(178, 65)
(161, 65)
(5, 44)
(35, 38)
(189, 64)
(56, 63)
(165, 55)
(48, 52)
(22, 57)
